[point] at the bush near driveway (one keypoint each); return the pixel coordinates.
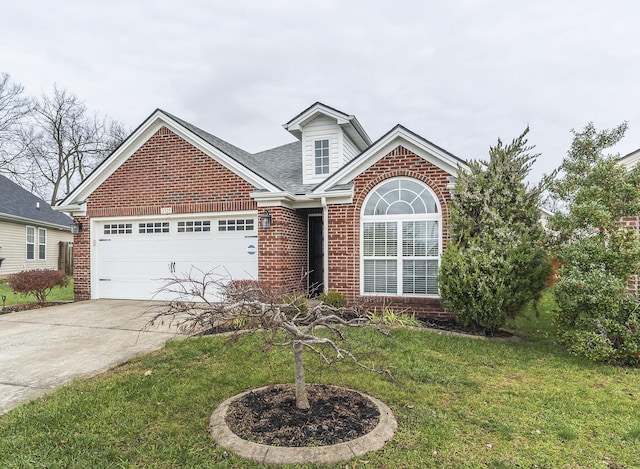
(37, 282)
(62, 294)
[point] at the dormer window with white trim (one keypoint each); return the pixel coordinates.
(329, 138)
(322, 156)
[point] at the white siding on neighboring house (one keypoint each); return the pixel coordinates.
(321, 128)
(13, 247)
(631, 160)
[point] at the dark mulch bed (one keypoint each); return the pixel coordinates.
(28, 306)
(450, 325)
(269, 416)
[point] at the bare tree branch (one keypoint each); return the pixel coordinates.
(13, 109)
(60, 144)
(205, 300)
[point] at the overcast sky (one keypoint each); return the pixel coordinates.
(460, 73)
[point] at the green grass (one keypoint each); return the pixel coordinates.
(57, 294)
(462, 403)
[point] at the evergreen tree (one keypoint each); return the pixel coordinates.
(598, 317)
(494, 263)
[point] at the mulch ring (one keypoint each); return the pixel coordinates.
(269, 416)
(28, 306)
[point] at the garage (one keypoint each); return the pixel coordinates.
(132, 257)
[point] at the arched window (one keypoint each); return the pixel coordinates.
(401, 239)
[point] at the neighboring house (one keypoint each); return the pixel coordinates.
(30, 230)
(630, 161)
(330, 211)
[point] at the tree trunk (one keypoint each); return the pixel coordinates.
(302, 401)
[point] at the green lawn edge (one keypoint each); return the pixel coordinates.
(462, 402)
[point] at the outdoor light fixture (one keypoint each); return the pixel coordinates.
(76, 227)
(4, 299)
(265, 220)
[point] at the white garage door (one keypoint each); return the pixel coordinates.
(134, 258)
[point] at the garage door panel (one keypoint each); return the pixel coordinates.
(136, 265)
(134, 289)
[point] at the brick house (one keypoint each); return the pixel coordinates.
(332, 210)
(630, 161)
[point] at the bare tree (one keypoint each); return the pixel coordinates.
(62, 144)
(205, 300)
(13, 109)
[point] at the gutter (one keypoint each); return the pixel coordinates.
(286, 199)
(31, 221)
(77, 209)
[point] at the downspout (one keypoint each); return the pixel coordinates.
(325, 245)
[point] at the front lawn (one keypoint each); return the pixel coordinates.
(57, 294)
(462, 402)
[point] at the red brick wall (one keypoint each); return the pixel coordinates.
(283, 248)
(169, 172)
(82, 261)
(166, 172)
(344, 226)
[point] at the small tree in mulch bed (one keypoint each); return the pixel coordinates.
(38, 282)
(208, 300)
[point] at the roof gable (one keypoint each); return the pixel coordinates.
(348, 123)
(399, 135)
(18, 204)
(235, 159)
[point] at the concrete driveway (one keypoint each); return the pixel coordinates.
(44, 348)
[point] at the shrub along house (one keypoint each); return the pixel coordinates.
(631, 161)
(330, 211)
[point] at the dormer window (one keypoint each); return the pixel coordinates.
(322, 156)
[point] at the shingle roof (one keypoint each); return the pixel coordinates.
(282, 165)
(18, 203)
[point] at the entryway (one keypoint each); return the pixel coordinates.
(316, 257)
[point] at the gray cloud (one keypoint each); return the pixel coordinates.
(460, 73)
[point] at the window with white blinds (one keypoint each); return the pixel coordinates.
(401, 240)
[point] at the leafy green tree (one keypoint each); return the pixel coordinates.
(598, 317)
(495, 262)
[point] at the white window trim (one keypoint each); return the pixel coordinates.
(315, 157)
(42, 244)
(399, 257)
(27, 243)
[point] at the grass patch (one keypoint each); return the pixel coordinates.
(463, 403)
(57, 294)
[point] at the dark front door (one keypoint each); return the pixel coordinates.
(316, 273)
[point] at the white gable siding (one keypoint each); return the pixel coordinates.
(321, 128)
(13, 247)
(350, 150)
